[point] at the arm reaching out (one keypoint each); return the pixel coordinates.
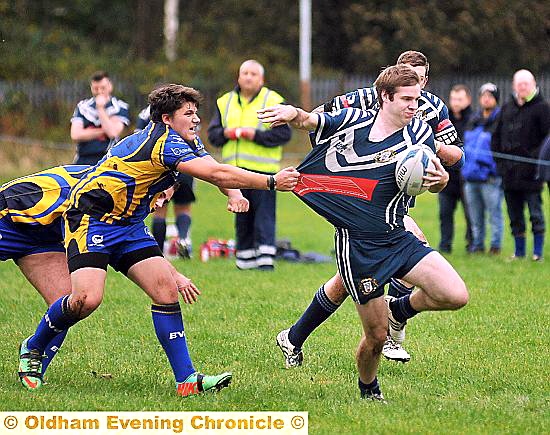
(284, 113)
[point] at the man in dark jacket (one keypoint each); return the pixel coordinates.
(522, 126)
(460, 100)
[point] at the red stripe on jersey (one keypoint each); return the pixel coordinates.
(443, 125)
(347, 186)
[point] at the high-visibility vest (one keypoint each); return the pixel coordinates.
(243, 152)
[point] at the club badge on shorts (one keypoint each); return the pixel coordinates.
(368, 285)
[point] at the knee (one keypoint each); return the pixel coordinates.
(372, 342)
(335, 290)
(83, 305)
(165, 293)
(459, 297)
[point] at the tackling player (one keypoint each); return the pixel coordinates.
(104, 225)
(349, 179)
(448, 148)
(31, 209)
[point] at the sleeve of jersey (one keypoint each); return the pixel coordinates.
(330, 123)
(124, 113)
(77, 116)
(445, 130)
(176, 150)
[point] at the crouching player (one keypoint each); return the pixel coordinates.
(104, 224)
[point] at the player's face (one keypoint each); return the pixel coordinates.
(250, 77)
(184, 121)
(421, 71)
(102, 87)
(403, 107)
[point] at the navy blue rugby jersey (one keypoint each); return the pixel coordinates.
(430, 110)
(350, 180)
(123, 185)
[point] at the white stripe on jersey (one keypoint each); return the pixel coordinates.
(391, 209)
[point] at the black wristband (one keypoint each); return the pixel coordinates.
(271, 182)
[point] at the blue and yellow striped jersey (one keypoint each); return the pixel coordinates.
(122, 186)
(37, 201)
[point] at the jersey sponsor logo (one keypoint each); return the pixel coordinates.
(368, 285)
(97, 240)
(176, 334)
(348, 186)
(385, 156)
(0, 236)
(179, 151)
(148, 232)
(446, 123)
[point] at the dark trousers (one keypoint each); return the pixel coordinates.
(447, 207)
(256, 230)
(515, 203)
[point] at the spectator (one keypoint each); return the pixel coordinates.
(252, 145)
(460, 100)
(521, 128)
(483, 185)
(182, 199)
(98, 121)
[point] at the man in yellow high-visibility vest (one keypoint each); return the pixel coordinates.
(253, 145)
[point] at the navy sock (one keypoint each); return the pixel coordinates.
(397, 289)
(57, 319)
(170, 333)
(401, 309)
(520, 246)
(373, 387)
(158, 229)
(52, 348)
(183, 222)
(538, 244)
(319, 310)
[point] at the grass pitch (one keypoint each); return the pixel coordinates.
(483, 369)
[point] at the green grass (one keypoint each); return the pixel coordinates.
(483, 369)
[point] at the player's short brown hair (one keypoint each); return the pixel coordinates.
(394, 77)
(414, 58)
(169, 98)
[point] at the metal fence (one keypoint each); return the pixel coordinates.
(69, 92)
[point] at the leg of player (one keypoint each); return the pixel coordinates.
(393, 349)
(183, 224)
(87, 294)
(49, 275)
(325, 302)
(158, 226)
(154, 277)
(440, 288)
(374, 318)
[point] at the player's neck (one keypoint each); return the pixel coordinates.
(383, 127)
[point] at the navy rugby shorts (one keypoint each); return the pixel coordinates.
(367, 264)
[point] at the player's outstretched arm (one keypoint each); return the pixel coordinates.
(286, 114)
(231, 177)
(236, 202)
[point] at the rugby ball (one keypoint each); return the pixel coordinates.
(412, 167)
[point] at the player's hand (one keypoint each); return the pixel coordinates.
(437, 178)
(188, 290)
(101, 101)
(277, 115)
(286, 179)
(237, 204)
